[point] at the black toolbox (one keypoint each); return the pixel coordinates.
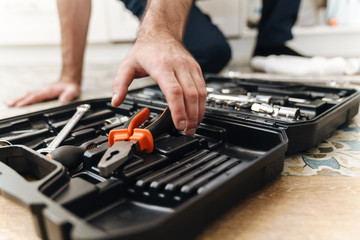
(186, 182)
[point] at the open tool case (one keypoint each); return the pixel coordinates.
(186, 182)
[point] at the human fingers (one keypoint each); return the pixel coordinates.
(35, 97)
(70, 92)
(201, 89)
(122, 81)
(173, 92)
(12, 102)
(191, 99)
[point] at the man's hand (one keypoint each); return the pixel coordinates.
(158, 52)
(176, 72)
(74, 21)
(65, 91)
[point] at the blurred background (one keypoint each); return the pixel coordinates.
(35, 23)
(30, 54)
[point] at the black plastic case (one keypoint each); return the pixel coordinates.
(186, 182)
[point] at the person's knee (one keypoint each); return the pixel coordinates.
(214, 57)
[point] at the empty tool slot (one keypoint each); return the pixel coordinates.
(215, 136)
(96, 124)
(174, 185)
(148, 162)
(97, 116)
(144, 181)
(194, 185)
(133, 163)
(60, 115)
(56, 127)
(247, 136)
(90, 120)
(16, 125)
(176, 145)
(31, 139)
(26, 163)
(214, 132)
(123, 109)
(316, 106)
(82, 197)
(158, 183)
(75, 193)
(83, 135)
(75, 138)
(89, 177)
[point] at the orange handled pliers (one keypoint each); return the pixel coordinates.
(124, 142)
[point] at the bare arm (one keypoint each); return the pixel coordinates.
(74, 21)
(158, 52)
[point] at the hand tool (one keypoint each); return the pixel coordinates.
(116, 120)
(4, 143)
(71, 156)
(275, 110)
(80, 110)
(124, 142)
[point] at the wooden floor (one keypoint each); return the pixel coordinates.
(291, 207)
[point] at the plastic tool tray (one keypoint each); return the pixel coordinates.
(175, 191)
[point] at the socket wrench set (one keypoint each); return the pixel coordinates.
(87, 170)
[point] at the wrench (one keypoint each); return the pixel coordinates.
(80, 110)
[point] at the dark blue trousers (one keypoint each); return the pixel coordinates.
(277, 19)
(202, 38)
(209, 46)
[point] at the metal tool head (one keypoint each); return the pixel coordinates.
(83, 107)
(116, 156)
(80, 111)
(45, 151)
(4, 143)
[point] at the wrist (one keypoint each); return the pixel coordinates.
(154, 27)
(71, 76)
(165, 18)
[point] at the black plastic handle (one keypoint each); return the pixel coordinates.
(163, 124)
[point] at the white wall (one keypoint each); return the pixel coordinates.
(35, 22)
(28, 22)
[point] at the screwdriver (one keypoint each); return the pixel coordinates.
(71, 156)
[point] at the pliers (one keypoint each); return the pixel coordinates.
(126, 141)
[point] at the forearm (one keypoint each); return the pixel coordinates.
(74, 21)
(165, 16)
(159, 52)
